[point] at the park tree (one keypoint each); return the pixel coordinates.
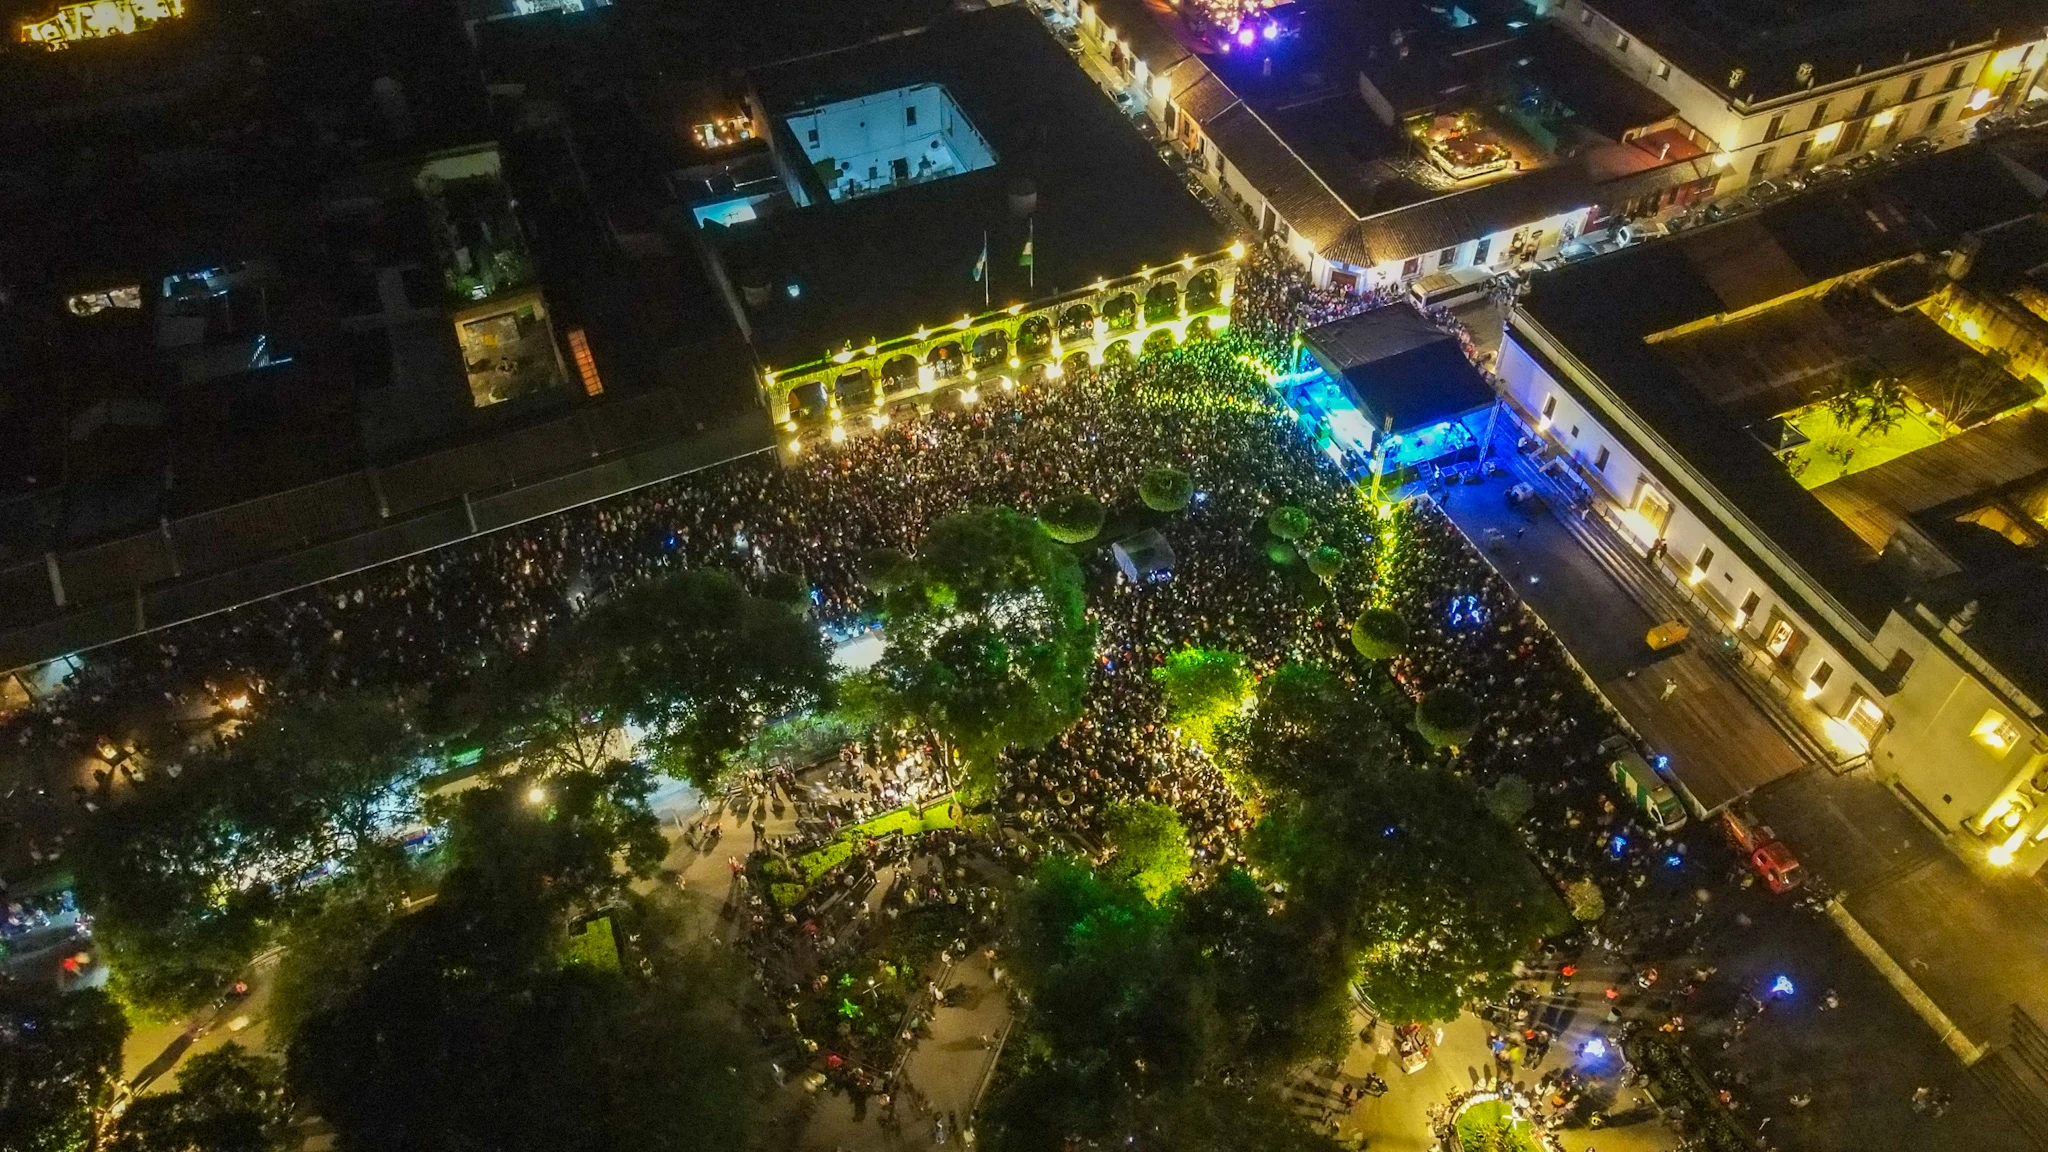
(469, 1028)
(994, 648)
(227, 1100)
(1166, 489)
(1379, 633)
(60, 1059)
(1204, 687)
(1280, 553)
(704, 665)
(1868, 401)
(1288, 523)
(884, 570)
(1431, 901)
(190, 875)
(1150, 846)
(1074, 518)
(1447, 717)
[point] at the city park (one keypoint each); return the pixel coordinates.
(1318, 780)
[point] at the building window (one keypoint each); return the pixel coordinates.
(1799, 154)
(1776, 127)
(1820, 113)
(811, 137)
(1761, 164)
(1935, 113)
(1479, 253)
(1663, 69)
(1550, 406)
(1902, 662)
(1822, 673)
(1447, 258)
(1600, 460)
(1744, 614)
(1863, 104)
(1575, 431)
(910, 116)
(1705, 563)
(1912, 89)
(1411, 267)
(1621, 43)
(1995, 732)
(1955, 77)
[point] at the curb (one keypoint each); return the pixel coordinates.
(1944, 1028)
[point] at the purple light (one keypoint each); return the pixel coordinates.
(1244, 36)
(1596, 1048)
(1272, 30)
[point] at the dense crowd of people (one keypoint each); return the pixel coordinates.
(842, 955)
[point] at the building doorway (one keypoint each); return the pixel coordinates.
(1783, 639)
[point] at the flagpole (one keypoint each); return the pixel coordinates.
(984, 270)
(1031, 242)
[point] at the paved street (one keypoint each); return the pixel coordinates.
(1975, 947)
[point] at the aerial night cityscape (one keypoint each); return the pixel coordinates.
(1035, 575)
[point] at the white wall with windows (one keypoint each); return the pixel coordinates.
(1834, 119)
(1964, 746)
(1689, 545)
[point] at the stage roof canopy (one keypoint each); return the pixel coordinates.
(1394, 363)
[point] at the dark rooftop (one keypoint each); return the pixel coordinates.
(880, 266)
(2008, 628)
(1397, 365)
(1607, 311)
(1769, 41)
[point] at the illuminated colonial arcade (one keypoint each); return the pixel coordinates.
(937, 224)
(1107, 321)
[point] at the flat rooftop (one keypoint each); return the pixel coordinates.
(879, 266)
(1397, 365)
(1612, 313)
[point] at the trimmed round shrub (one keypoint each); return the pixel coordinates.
(1510, 799)
(1447, 717)
(1280, 552)
(1075, 518)
(1288, 522)
(1326, 562)
(1379, 634)
(1166, 489)
(886, 570)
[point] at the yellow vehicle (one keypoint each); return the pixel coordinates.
(1666, 635)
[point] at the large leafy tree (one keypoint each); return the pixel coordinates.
(60, 1056)
(694, 659)
(1432, 899)
(1140, 1006)
(469, 1030)
(990, 644)
(227, 1100)
(189, 876)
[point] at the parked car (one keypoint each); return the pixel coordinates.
(1763, 851)
(1764, 191)
(1862, 163)
(1917, 146)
